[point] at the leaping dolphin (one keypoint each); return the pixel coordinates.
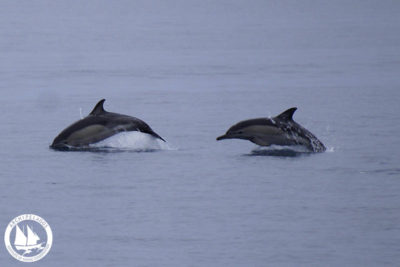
(97, 126)
(280, 130)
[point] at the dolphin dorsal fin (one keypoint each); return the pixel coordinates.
(287, 114)
(98, 109)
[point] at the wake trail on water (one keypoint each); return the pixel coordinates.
(281, 151)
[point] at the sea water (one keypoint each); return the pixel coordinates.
(192, 69)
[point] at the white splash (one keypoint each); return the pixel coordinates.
(330, 149)
(133, 140)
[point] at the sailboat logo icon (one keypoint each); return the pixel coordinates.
(28, 242)
(28, 238)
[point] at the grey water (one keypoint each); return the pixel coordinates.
(191, 69)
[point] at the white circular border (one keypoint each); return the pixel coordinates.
(28, 217)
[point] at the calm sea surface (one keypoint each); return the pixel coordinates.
(191, 69)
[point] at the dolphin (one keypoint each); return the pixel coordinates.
(97, 126)
(280, 130)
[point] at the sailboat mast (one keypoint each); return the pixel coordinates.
(26, 235)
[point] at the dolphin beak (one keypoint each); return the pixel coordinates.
(222, 137)
(157, 136)
(161, 138)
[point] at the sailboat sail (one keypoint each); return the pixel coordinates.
(20, 238)
(32, 237)
(27, 242)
